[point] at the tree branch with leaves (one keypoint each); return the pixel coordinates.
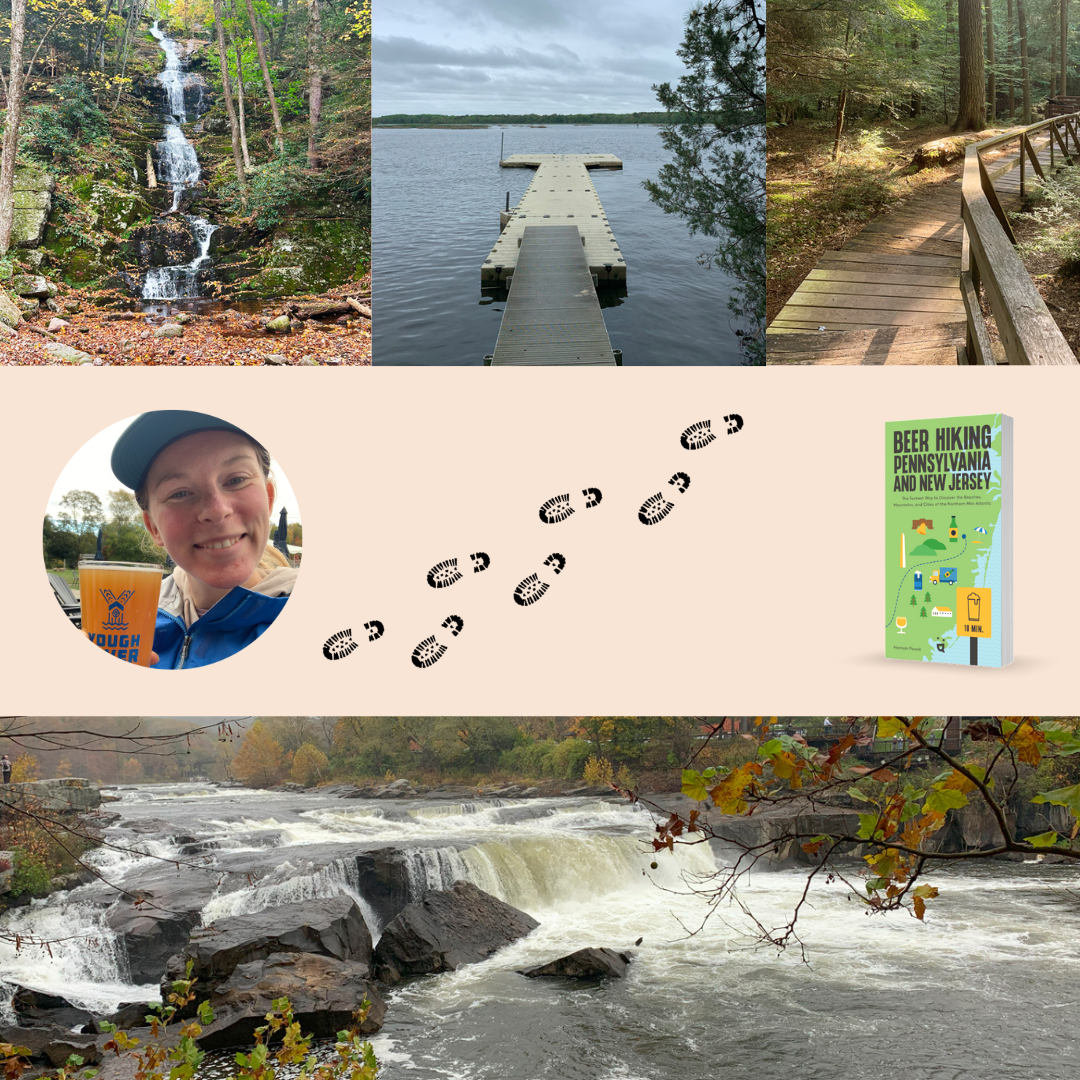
(877, 829)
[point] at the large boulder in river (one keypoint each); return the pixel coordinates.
(447, 929)
(150, 936)
(584, 964)
(52, 1045)
(324, 994)
(39, 1008)
(384, 880)
(333, 927)
(777, 832)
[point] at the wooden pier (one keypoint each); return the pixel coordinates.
(891, 294)
(561, 193)
(552, 315)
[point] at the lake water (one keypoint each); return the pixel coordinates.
(988, 988)
(436, 197)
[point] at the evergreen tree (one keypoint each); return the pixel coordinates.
(716, 132)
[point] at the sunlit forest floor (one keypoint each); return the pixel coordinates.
(815, 204)
(1057, 279)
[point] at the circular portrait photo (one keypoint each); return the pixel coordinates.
(168, 541)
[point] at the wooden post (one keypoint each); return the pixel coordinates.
(953, 733)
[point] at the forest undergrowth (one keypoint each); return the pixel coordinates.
(1048, 242)
(816, 204)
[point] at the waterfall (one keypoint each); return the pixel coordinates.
(538, 872)
(433, 868)
(341, 877)
(170, 282)
(178, 166)
(85, 961)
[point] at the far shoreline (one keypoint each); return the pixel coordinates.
(536, 120)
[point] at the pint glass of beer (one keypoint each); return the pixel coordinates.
(119, 603)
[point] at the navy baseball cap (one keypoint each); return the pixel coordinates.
(147, 435)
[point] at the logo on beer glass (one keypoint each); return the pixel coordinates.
(116, 604)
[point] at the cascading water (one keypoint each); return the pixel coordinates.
(178, 166)
(946, 997)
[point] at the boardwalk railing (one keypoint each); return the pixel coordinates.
(1028, 332)
(1062, 106)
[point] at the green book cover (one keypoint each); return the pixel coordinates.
(948, 540)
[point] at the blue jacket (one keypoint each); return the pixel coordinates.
(232, 624)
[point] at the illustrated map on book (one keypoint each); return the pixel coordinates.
(948, 544)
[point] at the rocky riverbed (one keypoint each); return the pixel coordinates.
(454, 896)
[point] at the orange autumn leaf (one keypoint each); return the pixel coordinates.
(1028, 742)
(957, 781)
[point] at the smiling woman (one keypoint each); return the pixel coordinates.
(205, 493)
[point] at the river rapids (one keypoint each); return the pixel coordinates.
(988, 988)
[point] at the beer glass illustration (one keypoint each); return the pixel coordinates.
(973, 605)
(901, 622)
(119, 603)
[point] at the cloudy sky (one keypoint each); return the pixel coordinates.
(89, 470)
(513, 56)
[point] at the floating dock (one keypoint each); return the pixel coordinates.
(552, 315)
(554, 248)
(561, 193)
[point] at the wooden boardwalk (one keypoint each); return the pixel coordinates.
(891, 295)
(561, 193)
(552, 315)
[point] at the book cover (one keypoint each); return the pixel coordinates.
(948, 540)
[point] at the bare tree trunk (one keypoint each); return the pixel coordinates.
(240, 101)
(916, 97)
(11, 124)
(1012, 60)
(948, 68)
(315, 82)
(971, 112)
(133, 17)
(1064, 48)
(1025, 74)
(241, 176)
(96, 44)
(284, 28)
(841, 99)
(266, 77)
(991, 84)
(1052, 92)
(841, 105)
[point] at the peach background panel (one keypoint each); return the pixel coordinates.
(761, 592)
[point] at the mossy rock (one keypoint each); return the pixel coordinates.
(168, 241)
(278, 281)
(72, 262)
(116, 207)
(83, 265)
(328, 251)
(10, 314)
(32, 199)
